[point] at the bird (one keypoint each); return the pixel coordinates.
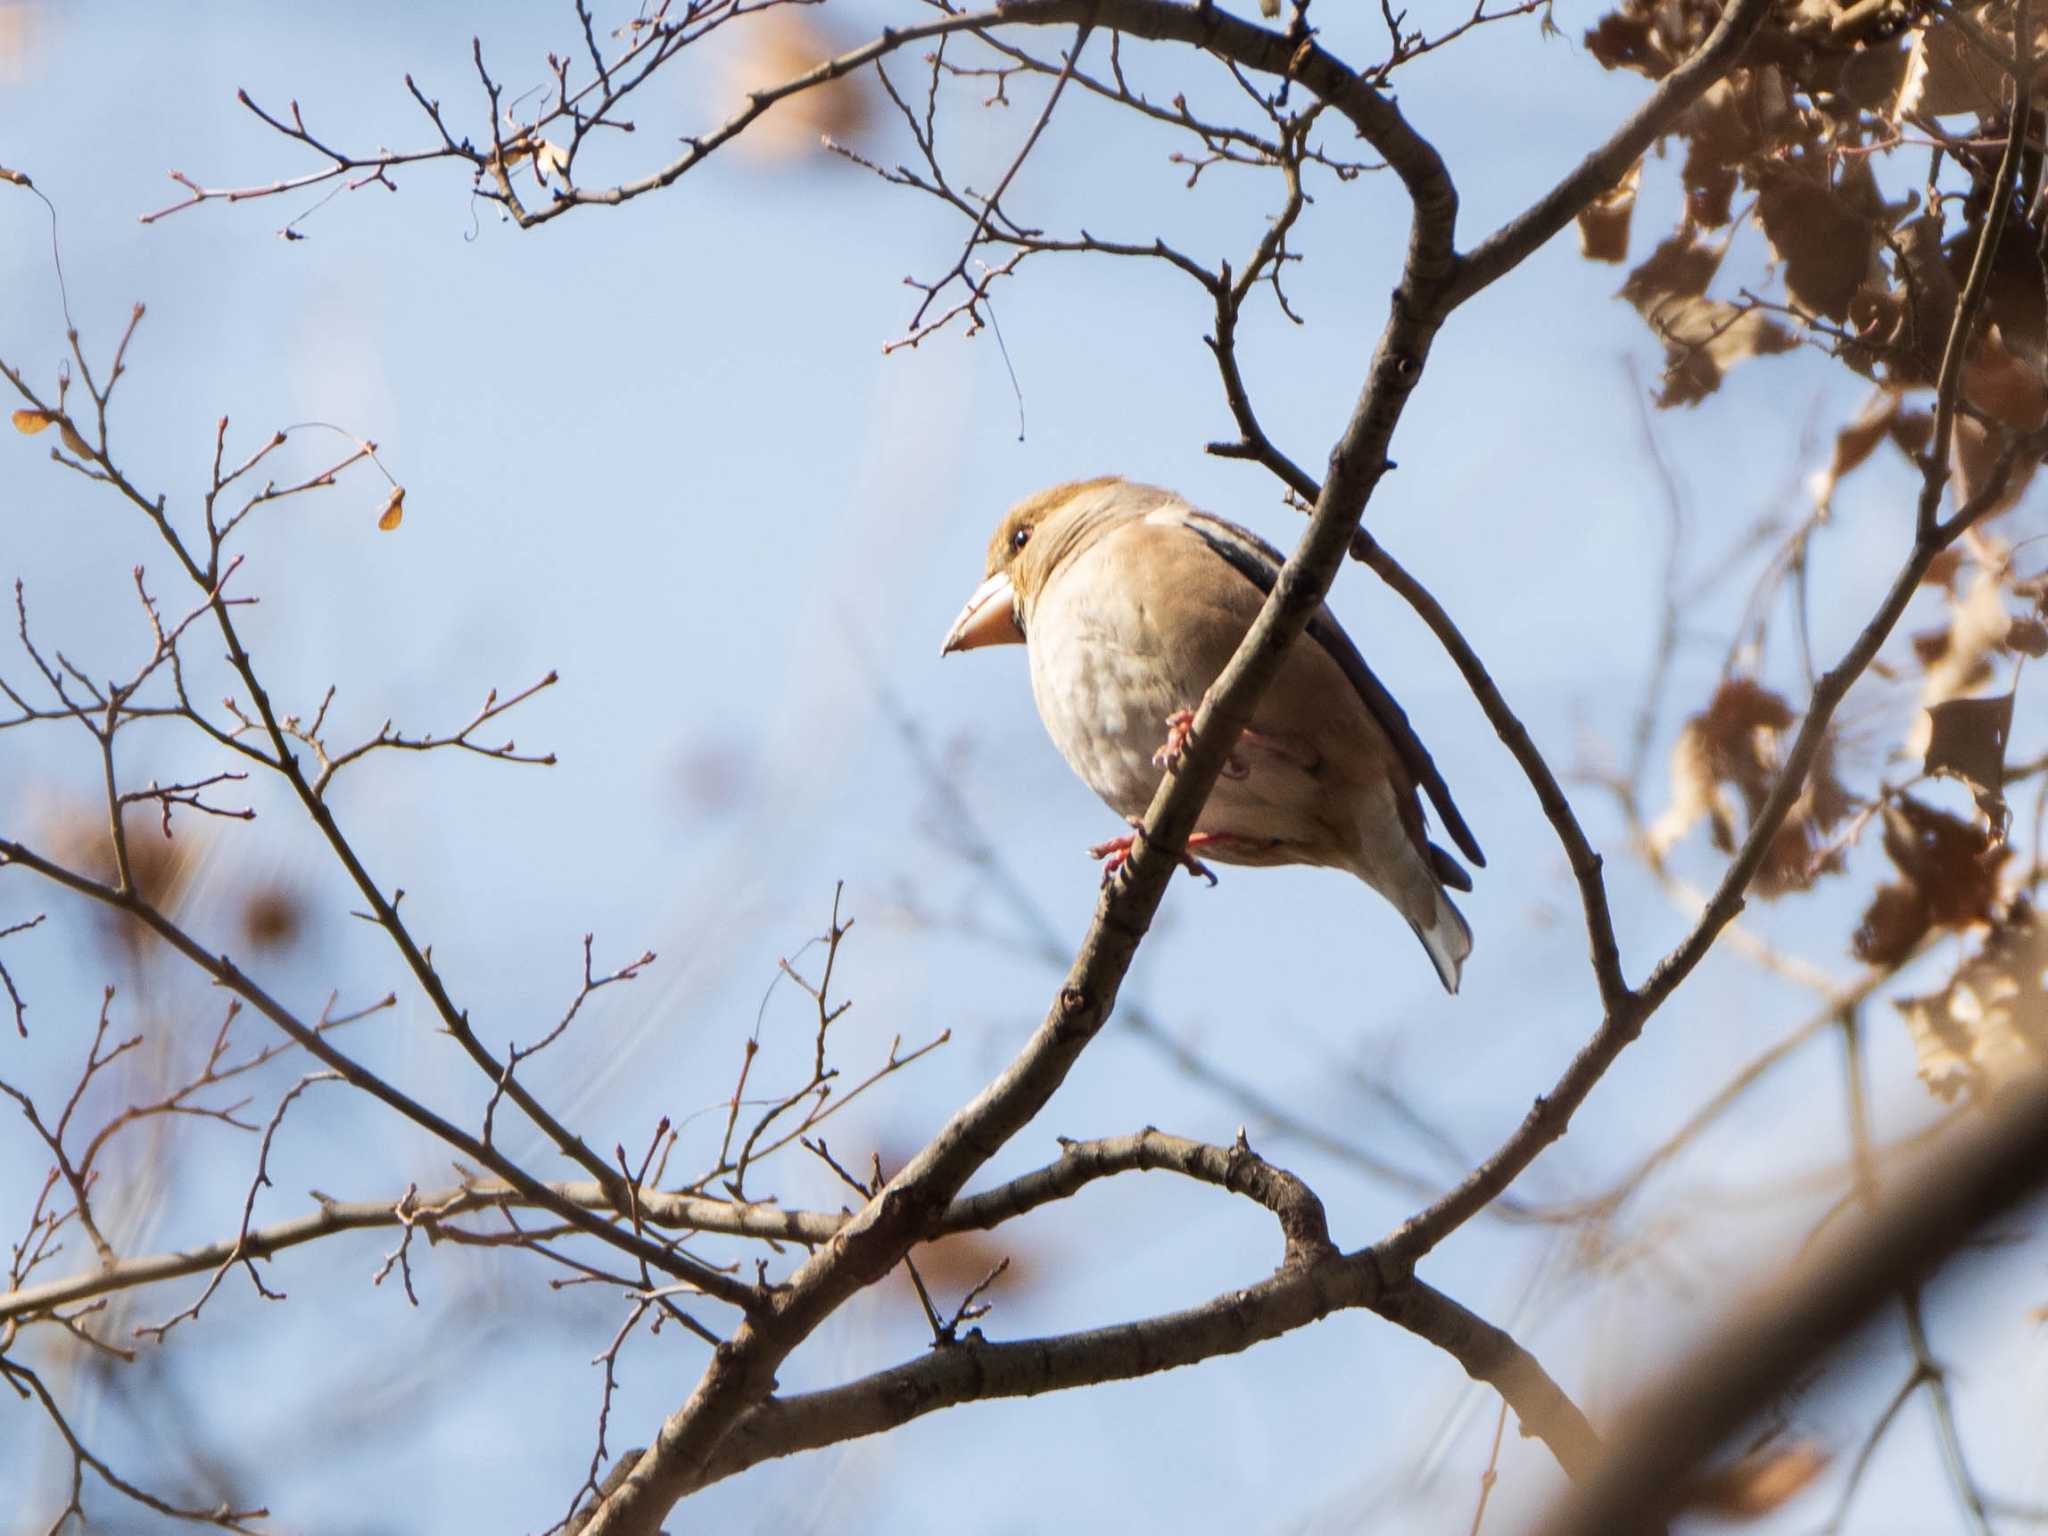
(1129, 602)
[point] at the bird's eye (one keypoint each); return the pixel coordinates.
(1020, 538)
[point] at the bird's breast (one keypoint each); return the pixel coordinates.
(1104, 688)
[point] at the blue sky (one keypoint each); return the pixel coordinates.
(660, 450)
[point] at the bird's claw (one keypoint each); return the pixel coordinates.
(1180, 725)
(1117, 852)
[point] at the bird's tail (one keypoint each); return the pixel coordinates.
(1448, 938)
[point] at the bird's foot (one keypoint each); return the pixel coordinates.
(1180, 725)
(1117, 852)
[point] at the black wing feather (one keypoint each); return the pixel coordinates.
(1259, 563)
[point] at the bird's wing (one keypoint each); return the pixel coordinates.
(1259, 563)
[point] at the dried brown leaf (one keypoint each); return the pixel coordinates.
(1679, 268)
(1744, 123)
(29, 423)
(1868, 78)
(1603, 223)
(2028, 636)
(1703, 339)
(1895, 921)
(1718, 139)
(394, 510)
(1877, 422)
(1695, 794)
(1953, 863)
(1949, 869)
(1961, 663)
(1651, 37)
(2016, 306)
(1967, 741)
(1999, 383)
(1905, 326)
(1799, 854)
(1943, 569)
(1989, 1026)
(1622, 40)
(1733, 743)
(1945, 75)
(1823, 233)
(1910, 432)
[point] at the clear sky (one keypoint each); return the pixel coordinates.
(660, 450)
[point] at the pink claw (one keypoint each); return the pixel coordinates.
(1180, 725)
(1117, 852)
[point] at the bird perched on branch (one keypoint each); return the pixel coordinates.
(1130, 603)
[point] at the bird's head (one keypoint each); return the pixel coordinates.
(1033, 537)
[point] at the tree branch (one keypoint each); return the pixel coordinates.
(1980, 1171)
(226, 973)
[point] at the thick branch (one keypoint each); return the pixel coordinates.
(975, 1370)
(1982, 1171)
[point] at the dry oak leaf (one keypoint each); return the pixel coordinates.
(1943, 569)
(1825, 232)
(1702, 337)
(2029, 637)
(1946, 73)
(1966, 740)
(1866, 79)
(1989, 1026)
(1603, 223)
(1950, 869)
(1943, 75)
(1958, 659)
(1892, 926)
(1730, 133)
(1875, 423)
(2016, 305)
(1651, 37)
(394, 510)
(1799, 855)
(1902, 323)
(1734, 742)
(2003, 386)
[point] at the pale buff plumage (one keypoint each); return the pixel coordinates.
(1130, 602)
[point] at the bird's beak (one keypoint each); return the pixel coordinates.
(990, 618)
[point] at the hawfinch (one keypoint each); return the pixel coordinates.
(1130, 603)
